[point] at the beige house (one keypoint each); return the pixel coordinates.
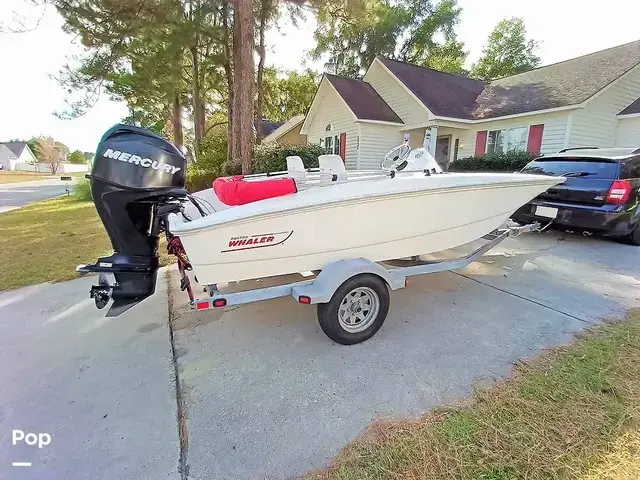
(593, 100)
(288, 133)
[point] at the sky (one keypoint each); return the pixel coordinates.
(29, 95)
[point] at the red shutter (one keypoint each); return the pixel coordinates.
(481, 143)
(343, 146)
(535, 139)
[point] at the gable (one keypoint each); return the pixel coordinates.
(397, 96)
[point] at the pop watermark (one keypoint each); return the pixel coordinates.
(31, 439)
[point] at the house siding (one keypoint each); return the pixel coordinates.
(553, 136)
(628, 132)
(332, 110)
(375, 141)
(596, 124)
(392, 92)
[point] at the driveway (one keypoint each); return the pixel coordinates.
(269, 396)
(103, 388)
(16, 195)
(264, 393)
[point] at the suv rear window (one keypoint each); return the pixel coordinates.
(578, 167)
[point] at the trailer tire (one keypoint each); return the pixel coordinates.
(356, 311)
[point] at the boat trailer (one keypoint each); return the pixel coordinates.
(352, 295)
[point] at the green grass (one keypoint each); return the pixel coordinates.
(45, 241)
(572, 413)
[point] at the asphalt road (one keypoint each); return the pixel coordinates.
(16, 195)
(266, 394)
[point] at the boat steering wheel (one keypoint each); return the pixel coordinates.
(396, 158)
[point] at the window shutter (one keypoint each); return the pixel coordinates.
(481, 143)
(534, 144)
(343, 146)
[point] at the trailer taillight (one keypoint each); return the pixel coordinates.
(219, 302)
(619, 192)
(304, 299)
(203, 305)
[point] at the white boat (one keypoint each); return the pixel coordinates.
(338, 215)
(328, 220)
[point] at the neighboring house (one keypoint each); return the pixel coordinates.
(15, 154)
(593, 100)
(288, 133)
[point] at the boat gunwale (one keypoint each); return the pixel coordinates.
(190, 228)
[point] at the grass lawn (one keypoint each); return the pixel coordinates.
(573, 413)
(15, 177)
(45, 241)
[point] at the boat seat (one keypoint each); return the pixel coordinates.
(236, 190)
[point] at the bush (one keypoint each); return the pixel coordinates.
(271, 157)
(82, 190)
(198, 179)
(492, 162)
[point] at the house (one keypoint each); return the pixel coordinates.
(14, 155)
(288, 133)
(593, 100)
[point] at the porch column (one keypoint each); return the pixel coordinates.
(430, 139)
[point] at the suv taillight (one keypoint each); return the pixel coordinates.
(619, 192)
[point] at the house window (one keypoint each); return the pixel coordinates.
(331, 143)
(456, 147)
(511, 139)
(328, 128)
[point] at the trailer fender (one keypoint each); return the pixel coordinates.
(335, 274)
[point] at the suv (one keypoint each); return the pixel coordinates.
(601, 193)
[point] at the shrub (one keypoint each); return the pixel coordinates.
(198, 179)
(493, 162)
(271, 157)
(82, 190)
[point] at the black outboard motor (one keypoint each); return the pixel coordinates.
(136, 180)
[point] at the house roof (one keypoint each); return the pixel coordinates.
(15, 147)
(284, 128)
(561, 84)
(444, 94)
(566, 83)
(267, 126)
(363, 100)
(632, 108)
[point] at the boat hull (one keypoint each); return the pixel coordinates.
(377, 227)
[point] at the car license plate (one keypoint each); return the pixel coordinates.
(548, 212)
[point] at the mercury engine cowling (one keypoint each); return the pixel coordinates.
(136, 178)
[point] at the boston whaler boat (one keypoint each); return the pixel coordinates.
(335, 223)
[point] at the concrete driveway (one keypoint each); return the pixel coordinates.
(16, 195)
(263, 393)
(269, 396)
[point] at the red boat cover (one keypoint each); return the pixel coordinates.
(236, 191)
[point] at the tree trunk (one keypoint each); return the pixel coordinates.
(229, 74)
(264, 10)
(243, 90)
(176, 118)
(198, 108)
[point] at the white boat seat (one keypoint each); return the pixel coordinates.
(331, 164)
(294, 164)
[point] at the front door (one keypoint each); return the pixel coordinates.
(442, 151)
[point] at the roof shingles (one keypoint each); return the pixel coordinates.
(561, 84)
(363, 100)
(631, 109)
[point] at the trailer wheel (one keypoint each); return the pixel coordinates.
(356, 311)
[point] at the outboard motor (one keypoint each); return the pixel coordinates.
(137, 179)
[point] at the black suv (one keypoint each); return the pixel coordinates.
(600, 195)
